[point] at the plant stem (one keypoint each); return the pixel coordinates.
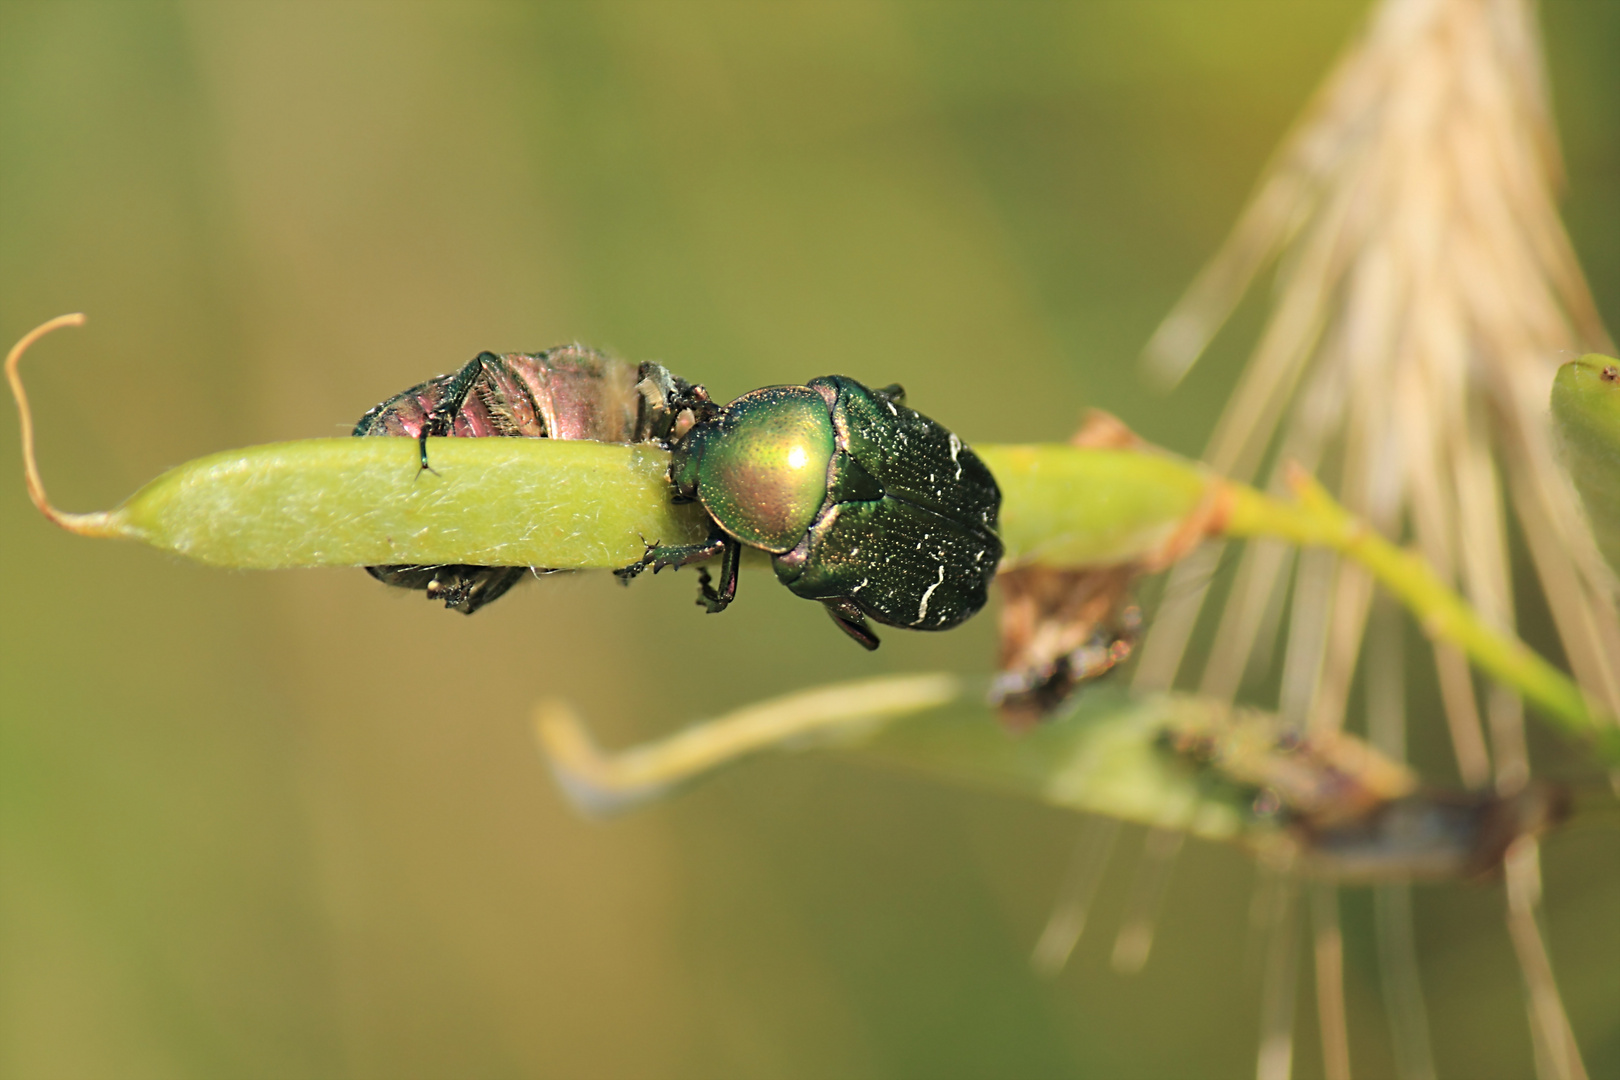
(1314, 519)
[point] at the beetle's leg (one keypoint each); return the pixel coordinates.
(442, 419)
(685, 554)
(462, 588)
(658, 556)
(717, 601)
(468, 588)
(893, 392)
(852, 621)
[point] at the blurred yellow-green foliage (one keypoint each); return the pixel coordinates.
(292, 824)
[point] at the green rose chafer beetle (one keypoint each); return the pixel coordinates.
(864, 504)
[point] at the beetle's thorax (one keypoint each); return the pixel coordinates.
(760, 467)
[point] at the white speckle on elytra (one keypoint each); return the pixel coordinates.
(859, 587)
(892, 410)
(956, 448)
(922, 608)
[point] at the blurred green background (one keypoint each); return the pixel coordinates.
(293, 824)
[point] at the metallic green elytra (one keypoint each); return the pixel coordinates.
(865, 505)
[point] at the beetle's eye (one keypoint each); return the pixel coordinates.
(764, 476)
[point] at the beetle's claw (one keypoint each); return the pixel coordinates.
(626, 574)
(422, 465)
(710, 600)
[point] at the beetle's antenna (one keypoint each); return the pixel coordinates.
(93, 524)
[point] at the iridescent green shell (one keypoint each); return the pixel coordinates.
(760, 470)
(863, 502)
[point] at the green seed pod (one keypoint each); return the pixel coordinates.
(1586, 405)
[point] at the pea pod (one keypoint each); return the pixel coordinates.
(1586, 408)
